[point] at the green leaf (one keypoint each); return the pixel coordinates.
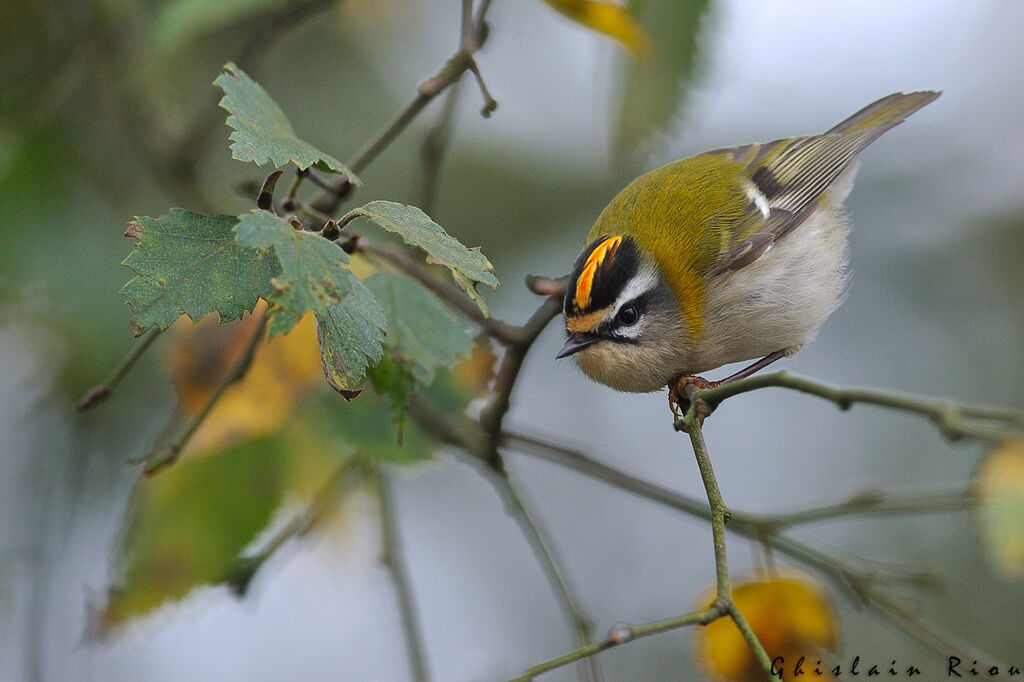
(468, 266)
(190, 523)
(262, 131)
(652, 89)
(189, 263)
(423, 337)
(312, 277)
(423, 333)
(351, 333)
(367, 425)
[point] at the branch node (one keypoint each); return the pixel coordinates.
(620, 633)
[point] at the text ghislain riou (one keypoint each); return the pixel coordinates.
(955, 667)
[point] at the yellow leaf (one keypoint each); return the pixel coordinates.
(789, 614)
(283, 370)
(474, 372)
(607, 17)
(999, 484)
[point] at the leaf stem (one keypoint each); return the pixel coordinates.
(167, 455)
(97, 394)
(393, 559)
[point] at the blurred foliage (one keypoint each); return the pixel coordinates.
(188, 524)
(999, 485)
(609, 18)
(283, 371)
(652, 89)
(790, 615)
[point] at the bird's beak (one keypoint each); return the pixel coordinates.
(575, 343)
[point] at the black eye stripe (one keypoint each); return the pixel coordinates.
(609, 328)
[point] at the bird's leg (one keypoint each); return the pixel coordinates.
(748, 370)
(680, 404)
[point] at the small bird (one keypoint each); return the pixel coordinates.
(734, 254)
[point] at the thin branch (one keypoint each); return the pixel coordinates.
(240, 573)
(621, 634)
(97, 394)
(719, 516)
(433, 148)
(493, 414)
(954, 421)
(544, 551)
(762, 657)
(168, 454)
(866, 586)
(450, 73)
(719, 512)
(868, 503)
(395, 562)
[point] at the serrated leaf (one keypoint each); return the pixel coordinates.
(189, 263)
(422, 331)
(999, 484)
(351, 333)
(313, 276)
(610, 18)
(262, 131)
(468, 266)
(652, 90)
(191, 522)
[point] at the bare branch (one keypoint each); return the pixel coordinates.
(395, 562)
(97, 394)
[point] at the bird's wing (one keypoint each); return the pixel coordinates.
(785, 179)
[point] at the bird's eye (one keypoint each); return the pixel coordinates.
(628, 316)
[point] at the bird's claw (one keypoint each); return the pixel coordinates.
(680, 404)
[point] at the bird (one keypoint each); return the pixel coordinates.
(735, 254)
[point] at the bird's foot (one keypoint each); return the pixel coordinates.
(680, 404)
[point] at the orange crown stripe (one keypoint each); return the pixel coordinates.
(585, 283)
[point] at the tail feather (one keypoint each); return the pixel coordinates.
(884, 114)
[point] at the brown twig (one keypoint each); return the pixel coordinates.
(168, 454)
(97, 394)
